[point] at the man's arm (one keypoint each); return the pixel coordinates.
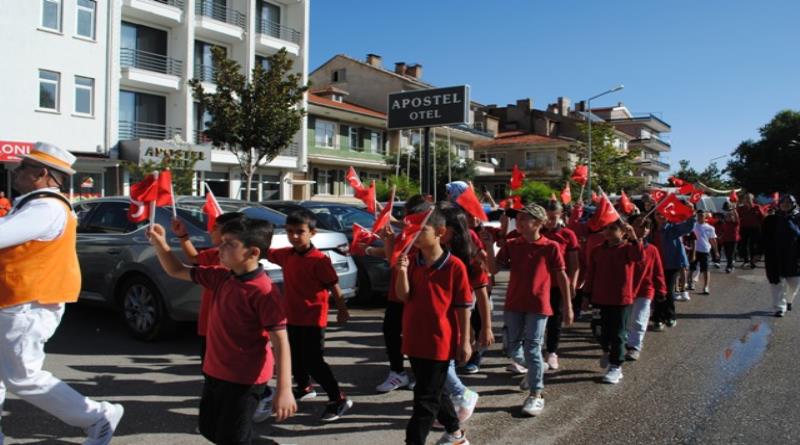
(35, 221)
(284, 405)
(171, 264)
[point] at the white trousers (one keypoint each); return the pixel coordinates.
(784, 292)
(24, 329)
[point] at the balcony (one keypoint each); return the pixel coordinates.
(653, 142)
(162, 12)
(475, 128)
(653, 165)
(129, 130)
(293, 149)
(204, 73)
(149, 70)
(200, 138)
(215, 21)
(273, 36)
(650, 120)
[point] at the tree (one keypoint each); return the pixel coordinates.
(253, 119)
(182, 174)
(459, 169)
(770, 163)
(612, 168)
(535, 192)
(406, 188)
(711, 176)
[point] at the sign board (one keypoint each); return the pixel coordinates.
(10, 150)
(143, 150)
(428, 108)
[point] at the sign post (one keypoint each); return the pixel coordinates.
(425, 109)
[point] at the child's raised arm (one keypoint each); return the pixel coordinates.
(401, 287)
(284, 405)
(179, 229)
(171, 264)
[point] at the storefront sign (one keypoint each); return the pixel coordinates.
(143, 150)
(11, 151)
(429, 108)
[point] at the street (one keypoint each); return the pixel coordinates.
(725, 375)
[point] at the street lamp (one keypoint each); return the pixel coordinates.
(589, 119)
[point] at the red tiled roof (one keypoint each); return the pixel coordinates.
(325, 102)
(520, 137)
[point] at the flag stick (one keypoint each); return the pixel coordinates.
(153, 202)
(656, 206)
(581, 195)
(416, 235)
(172, 196)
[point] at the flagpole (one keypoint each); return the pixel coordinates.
(397, 166)
(419, 159)
(416, 235)
(656, 206)
(580, 197)
(449, 163)
(172, 196)
(433, 130)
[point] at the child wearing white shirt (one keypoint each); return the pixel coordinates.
(705, 244)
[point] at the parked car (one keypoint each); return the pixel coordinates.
(373, 272)
(119, 268)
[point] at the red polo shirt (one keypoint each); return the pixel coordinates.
(242, 311)
(531, 264)
(750, 217)
(430, 326)
(592, 241)
(648, 274)
(610, 276)
(728, 232)
(307, 277)
(208, 257)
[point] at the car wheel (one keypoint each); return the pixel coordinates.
(144, 310)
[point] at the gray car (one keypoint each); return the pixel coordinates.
(119, 268)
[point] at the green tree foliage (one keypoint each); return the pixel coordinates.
(536, 192)
(182, 174)
(612, 168)
(254, 119)
(711, 176)
(406, 188)
(771, 163)
(459, 169)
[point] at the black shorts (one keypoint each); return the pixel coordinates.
(701, 258)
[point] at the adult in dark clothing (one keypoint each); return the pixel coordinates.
(751, 217)
(781, 238)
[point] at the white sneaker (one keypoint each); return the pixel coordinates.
(393, 381)
(264, 408)
(457, 438)
(683, 296)
(465, 404)
(614, 375)
(101, 432)
(706, 291)
(533, 406)
(516, 368)
(552, 361)
(604, 360)
(686, 295)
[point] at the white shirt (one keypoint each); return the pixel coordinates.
(39, 220)
(704, 233)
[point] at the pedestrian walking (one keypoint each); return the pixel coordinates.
(781, 238)
(39, 261)
(705, 248)
(667, 237)
(729, 236)
(751, 218)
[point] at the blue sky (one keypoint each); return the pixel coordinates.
(715, 70)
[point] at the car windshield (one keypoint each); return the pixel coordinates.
(342, 217)
(192, 210)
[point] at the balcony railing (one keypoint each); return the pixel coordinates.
(219, 12)
(200, 138)
(144, 130)
(293, 149)
(652, 163)
(175, 3)
(204, 72)
(272, 29)
(150, 61)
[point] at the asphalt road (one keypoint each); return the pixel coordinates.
(725, 375)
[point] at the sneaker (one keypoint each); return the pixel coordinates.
(780, 314)
(686, 296)
(632, 355)
(307, 393)
(533, 406)
(101, 432)
(658, 327)
(465, 404)
(614, 375)
(672, 323)
(706, 291)
(264, 408)
(471, 368)
(335, 410)
(604, 360)
(516, 368)
(728, 269)
(525, 385)
(457, 438)
(393, 381)
(717, 266)
(690, 286)
(552, 361)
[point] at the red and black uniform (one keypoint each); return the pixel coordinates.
(567, 244)
(307, 278)
(531, 264)
(239, 362)
(751, 219)
(208, 257)
(728, 234)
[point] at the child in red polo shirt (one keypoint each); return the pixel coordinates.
(609, 282)
(729, 236)
(533, 259)
(245, 317)
(308, 277)
(435, 288)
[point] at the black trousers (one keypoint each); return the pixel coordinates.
(665, 310)
(553, 332)
(430, 401)
(614, 331)
(748, 244)
(307, 344)
(730, 253)
(393, 335)
(226, 411)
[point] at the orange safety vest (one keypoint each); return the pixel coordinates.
(46, 272)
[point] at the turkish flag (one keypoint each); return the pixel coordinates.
(676, 181)
(625, 203)
(658, 195)
(413, 224)
(686, 189)
(516, 202)
(470, 203)
(212, 210)
(361, 236)
(566, 195)
(517, 176)
(365, 194)
(595, 197)
(673, 209)
(581, 174)
(383, 218)
(154, 187)
(696, 196)
(733, 196)
(604, 215)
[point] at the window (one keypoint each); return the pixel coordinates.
(496, 159)
(48, 89)
(354, 142)
(325, 133)
(540, 161)
(339, 75)
(51, 14)
(347, 190)
(112, 217)
(324, 182)
(85, 18)
(375, 142)
(84, 95)
(462, 150)
(204, 60)
(268, 19)
(263, 61)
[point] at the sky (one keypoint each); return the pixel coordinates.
(715, 70)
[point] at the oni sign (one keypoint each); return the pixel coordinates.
(11, 151)
(429, 108)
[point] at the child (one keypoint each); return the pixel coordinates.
(434, 285)
(648, 279)
(609, 281)
(704, 246)
(668, 238)
(308, 275)
(533, 259)
(729, 236)
(245, 316)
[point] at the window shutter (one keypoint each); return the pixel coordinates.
(344, 137)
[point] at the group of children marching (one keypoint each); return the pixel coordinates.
(439, 311)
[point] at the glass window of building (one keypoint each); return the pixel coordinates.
(325, 133)
(462, 150)
(51, 14)
(268, 18)
(85, 18)
(354, 138)
(48, 89)
(84, 95)
(375, 142)
(263, 61)
(324, 182)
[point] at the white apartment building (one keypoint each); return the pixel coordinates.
(108, 80)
